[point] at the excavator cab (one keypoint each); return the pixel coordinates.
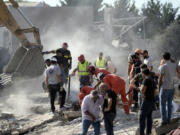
(28, 60)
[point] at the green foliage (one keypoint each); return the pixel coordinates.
(159, 16)
(125, 8)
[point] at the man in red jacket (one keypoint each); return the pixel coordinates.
(118, 85)
(94, 71)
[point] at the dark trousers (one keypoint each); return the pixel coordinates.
(84, 80)
(146, 116)
(135, 97)
(62, 97)
(108, 122)
(53, 89)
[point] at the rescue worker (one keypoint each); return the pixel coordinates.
(82, 69)
(53, 81)
(84, 91)
(118, 85)
(101, 62)
(94, 71)
(67, 59)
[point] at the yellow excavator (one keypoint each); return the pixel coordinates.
(28, 60)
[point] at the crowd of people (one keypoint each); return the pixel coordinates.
(101, 88)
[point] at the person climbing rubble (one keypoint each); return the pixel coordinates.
(82, 69)
(118, 85)
(54, 83)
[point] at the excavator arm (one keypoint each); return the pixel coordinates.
(7, 19)
(27, 60)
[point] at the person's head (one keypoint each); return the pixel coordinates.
(48, 62)
(103, 87)
(58, 53)
(139, 51)
(65, 46)
(166, 56)
(145, 72)
(94, 94)
(145, 54)
(53, 60)
(91, 69)
(143, 66)
(100, 76)
(81, 58)
(100, 55)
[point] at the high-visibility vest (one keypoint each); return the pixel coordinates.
(83, 68)
(101, 63)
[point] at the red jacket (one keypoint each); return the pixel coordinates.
(99, 70)
(84, 92)
(114, 82)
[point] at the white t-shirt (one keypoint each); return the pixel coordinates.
(148, 62)
(52, 73)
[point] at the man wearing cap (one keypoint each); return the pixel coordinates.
(53, 81)
(82, 69)
(91, 112)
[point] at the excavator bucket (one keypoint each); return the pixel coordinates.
(26, 63)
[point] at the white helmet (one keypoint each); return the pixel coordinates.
(53, 59)
(100, 76)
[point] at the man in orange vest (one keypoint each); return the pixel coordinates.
(118, 85)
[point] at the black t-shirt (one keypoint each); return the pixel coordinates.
(60, 60)
(151, 86)
(67, 57)
(110, 94)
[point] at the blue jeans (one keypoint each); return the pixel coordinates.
(166, 97)
(147, 107)
(86, 124)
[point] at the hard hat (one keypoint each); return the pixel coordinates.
(81, 58)
(100, 76)
(138, 51)
(53, 59)
(65, 44)
(91, 69)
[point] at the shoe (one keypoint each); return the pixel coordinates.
(63, 108)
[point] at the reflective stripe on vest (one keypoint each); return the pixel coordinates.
(82, 68)
(100, 63)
